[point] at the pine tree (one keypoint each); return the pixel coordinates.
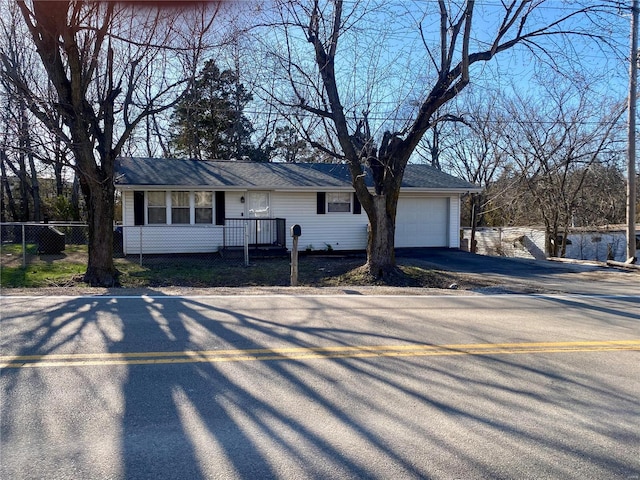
(209, 122)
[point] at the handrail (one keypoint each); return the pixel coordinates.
(260, 231)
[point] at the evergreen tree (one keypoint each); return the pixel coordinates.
(289, 147)
(209, 122)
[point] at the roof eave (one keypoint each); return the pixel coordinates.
(450, 190)
(313, 188)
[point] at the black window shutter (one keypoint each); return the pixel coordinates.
(322, 203)
(357, 208)
(138, 208)
(220, 213)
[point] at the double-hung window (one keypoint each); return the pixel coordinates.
(177, 208)
(203, 203)
(180, 209)
(156, 207)
(338, 202)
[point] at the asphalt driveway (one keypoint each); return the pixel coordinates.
(517, 275)
(461, 261)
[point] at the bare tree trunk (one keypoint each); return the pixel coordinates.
(381, 239)
(26, 145)
(549, 242)
(6, 187)
(474, 224)
(552, 237)
(99, 194)
(21, 173)
(35, 189)
(58, 165)
(100, 207)
(57, 171)
(75, 199)
(563, 247)
(3, 217)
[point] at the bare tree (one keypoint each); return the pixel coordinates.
(111, 65)
(556, 143)
(30, 150)
(8, 202)
(347, 38)
(474, 152)
(18, 157)
(19, 127)
(601, 201)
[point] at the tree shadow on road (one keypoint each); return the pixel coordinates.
(367, 417)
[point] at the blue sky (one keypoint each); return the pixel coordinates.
(384, 64)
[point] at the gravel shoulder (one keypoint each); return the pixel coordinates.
(602, 281)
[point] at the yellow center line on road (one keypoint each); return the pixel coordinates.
(304, 353)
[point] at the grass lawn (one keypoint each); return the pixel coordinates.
(66, 269)
(41, 275)
(40, 270)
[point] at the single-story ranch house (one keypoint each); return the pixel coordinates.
(190, 206)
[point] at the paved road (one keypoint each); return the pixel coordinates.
(320, 387)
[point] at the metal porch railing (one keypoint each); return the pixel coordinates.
(259, 232)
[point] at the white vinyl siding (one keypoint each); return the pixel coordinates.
(234, 205)
(128, 217)
(340, 231)
(156, 239)
(454, 221)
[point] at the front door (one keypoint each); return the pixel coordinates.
(258, 208)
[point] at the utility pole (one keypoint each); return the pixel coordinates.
(631, 147)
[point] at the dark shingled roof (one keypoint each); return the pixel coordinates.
(252, 175)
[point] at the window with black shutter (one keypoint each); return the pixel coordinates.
(138, 208)
(220, 208)
(322, 203)
(357, 207)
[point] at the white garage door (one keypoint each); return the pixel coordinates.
(422, 222)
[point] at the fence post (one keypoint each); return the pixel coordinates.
(24, 248)
(246, 243)
(140, 246)
(224, 236)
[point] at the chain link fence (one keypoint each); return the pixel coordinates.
(150, 245)
(24, 244)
